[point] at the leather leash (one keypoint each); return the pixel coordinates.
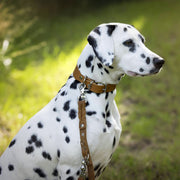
(90, 84)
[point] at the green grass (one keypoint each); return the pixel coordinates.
(46, 54)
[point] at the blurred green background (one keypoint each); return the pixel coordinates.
(40, 42)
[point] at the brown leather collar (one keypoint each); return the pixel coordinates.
(91, 84)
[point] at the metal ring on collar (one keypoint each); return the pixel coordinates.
(84, 79)
(90, 85)
(105, 87)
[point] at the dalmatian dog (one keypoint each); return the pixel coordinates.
(48, 145)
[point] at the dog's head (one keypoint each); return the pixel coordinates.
(121, 46)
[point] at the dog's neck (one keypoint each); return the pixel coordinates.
(89, 65)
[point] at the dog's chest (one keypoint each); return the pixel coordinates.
(103, 121)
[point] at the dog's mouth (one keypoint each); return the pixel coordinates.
(153, 71)
(133, 74)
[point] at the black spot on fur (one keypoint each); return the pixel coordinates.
(58, 153)
(90, 113)
(125, 29)
(143, 55)
(147, 60)
(106, 71)
(96, 30)
(0, 170)
(111, 28)
(142, 39)
(99, 65)
(30, 141)
(72, 114)
(129, 26)
(107, 94)
(46, 155)
(107, 105)
(88, 61)
(72, 75)
(110, 53)
(108, 64)
(12, 143)
(29, 149)
(65, 130)
(74, 84)
(130, 44)
(55, 172)
(87, 103)
(92, 41)
(111, 67)
(67, 139)
(108, 124)
(104, 130)
(141, 69)
(92, 68)
(66, 106)
(103, 115)
(10, 167)
(38, 143)
(54, 109)
(63, 93)
(114, 141)
(58, 119)
(78, 173)
(79, 66)
(33, 138)
(40, 125)
(68, 171)
(39, 172)
(108, 114)
(29, 127)
(70, 178)
(97, 167)
(98, 94)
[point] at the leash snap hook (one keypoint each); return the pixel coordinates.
(82, 89)
(83, 168)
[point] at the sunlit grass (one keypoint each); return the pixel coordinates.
(139, 22)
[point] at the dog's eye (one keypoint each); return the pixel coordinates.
(128, 43)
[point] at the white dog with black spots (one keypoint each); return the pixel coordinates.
(48, 145)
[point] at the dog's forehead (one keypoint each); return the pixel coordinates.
(120, 28)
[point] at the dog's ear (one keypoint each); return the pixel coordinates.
(102, 43)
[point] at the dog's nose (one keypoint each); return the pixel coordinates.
(158, 63)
